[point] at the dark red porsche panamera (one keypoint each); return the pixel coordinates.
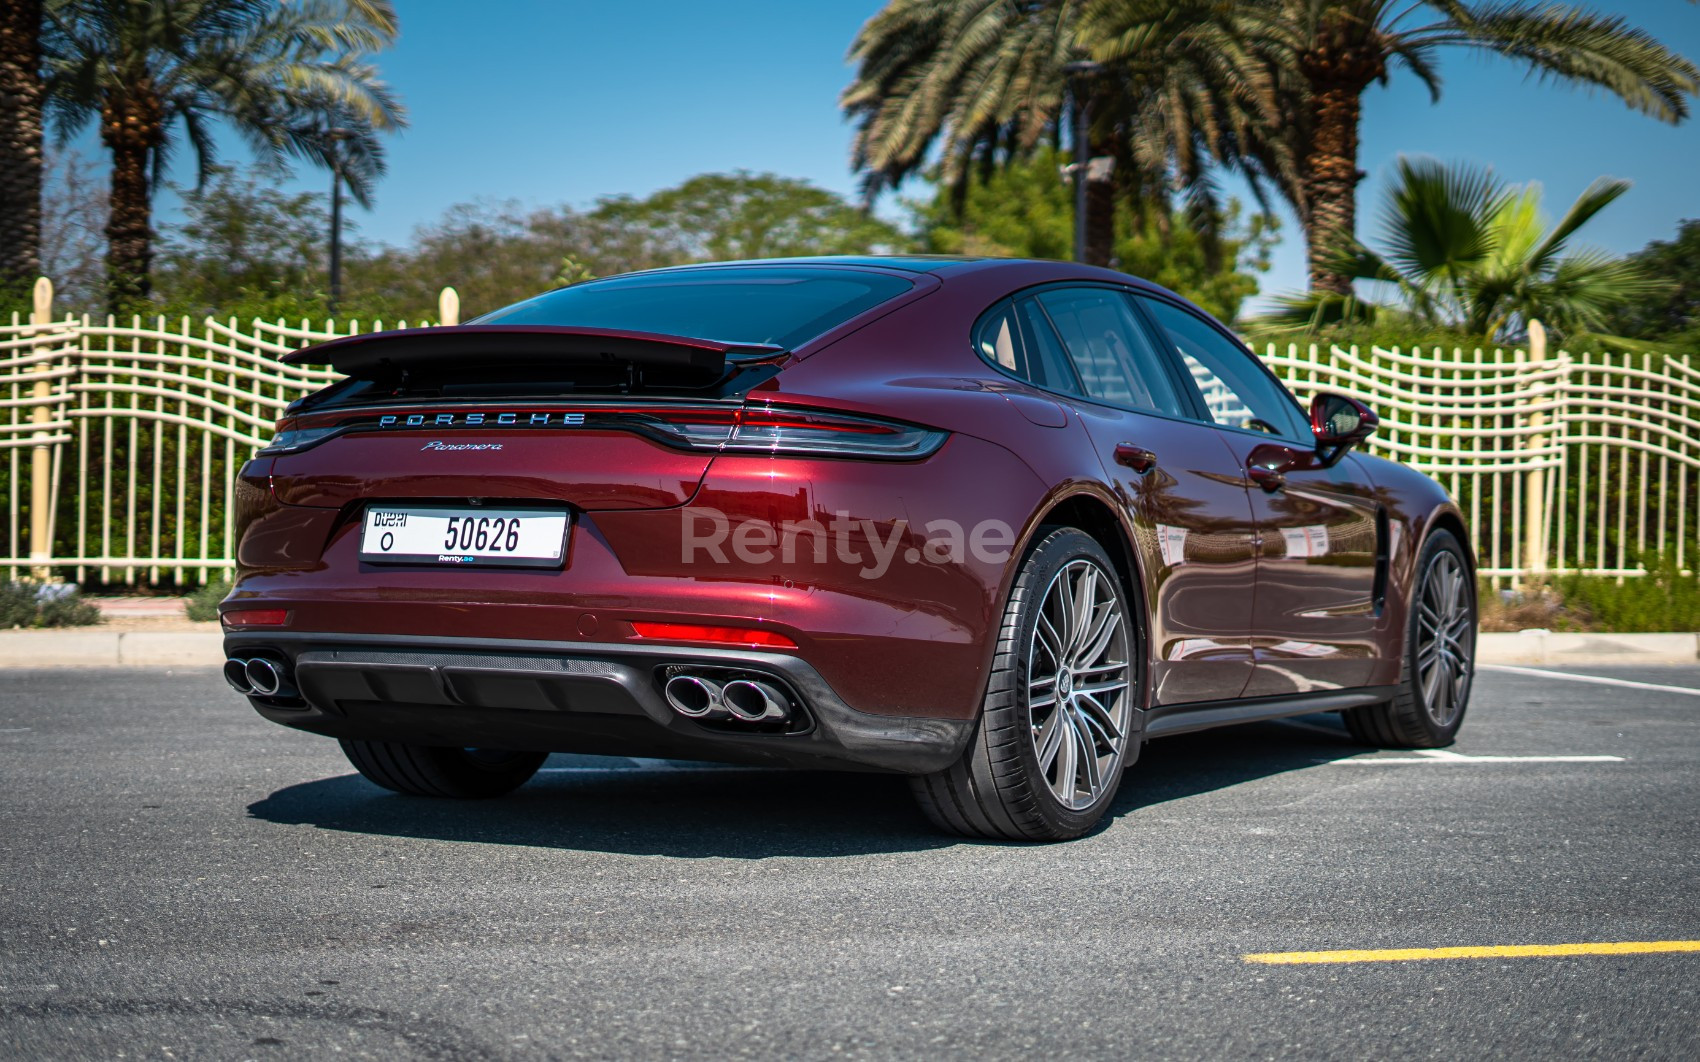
(991, 524)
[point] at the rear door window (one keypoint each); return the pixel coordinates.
(1110, 349)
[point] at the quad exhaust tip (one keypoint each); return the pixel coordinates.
(744, 700)
(754, 702)
(258, 676)
(695, 698)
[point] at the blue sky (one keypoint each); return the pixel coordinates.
(562, 101)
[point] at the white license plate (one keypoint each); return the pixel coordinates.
(468, 537)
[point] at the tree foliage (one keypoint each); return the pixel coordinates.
(245, 244)
(970, 85)
(1323, 55)
(246, 248)
(292, 79)
(1462, 249)
(1022, 210)
(724, 216)
(1671, 312)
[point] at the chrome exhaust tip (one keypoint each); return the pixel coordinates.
(754, 702)
(694, 697)
(236, 673)
(265, 677)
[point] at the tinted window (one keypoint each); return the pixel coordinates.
(1109, 348)
(782, 306)
(1002, 339)
(1235, 388)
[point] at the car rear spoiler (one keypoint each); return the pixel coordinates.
(384, 355)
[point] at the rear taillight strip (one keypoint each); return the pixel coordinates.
(774, 430)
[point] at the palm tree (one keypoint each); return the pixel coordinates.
(1462, 249)
(291, 78)
(1338, 48)
(21, 95)
(985, 80)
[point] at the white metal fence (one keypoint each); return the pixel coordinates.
(119, 441)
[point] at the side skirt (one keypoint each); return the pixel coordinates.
(1186, 718)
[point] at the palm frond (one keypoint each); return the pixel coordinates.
(1573, 44)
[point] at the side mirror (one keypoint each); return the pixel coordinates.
(1339, 424)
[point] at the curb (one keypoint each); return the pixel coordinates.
(1547, 647)
(20, 649)
(86, 648)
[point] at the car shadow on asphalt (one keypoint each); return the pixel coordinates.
(606, 804)
(1189, 765)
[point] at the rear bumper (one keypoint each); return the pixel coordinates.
(572, 697)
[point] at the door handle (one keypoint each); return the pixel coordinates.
(1270, 479)
(1137, 458)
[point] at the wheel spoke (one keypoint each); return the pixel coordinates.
(1088, 754)
(1050, 741)
(1096, 716)
(1100, 687)
(1068, 758)
(1051, 640)
(1103, 630)
(1085, 604)
(1065, 609)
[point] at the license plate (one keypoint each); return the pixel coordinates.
(508, 538)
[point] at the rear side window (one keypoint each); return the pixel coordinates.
(778, 306)
(1110, 348)
(1005, 336)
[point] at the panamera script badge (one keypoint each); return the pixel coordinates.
(438, 444)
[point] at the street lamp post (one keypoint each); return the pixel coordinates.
(336, 137)
(1078, 74)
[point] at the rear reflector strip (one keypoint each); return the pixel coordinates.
(256, 617)
(691, 632)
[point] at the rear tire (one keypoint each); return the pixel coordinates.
(1058, 722)
(420, 770)
(1439, 658)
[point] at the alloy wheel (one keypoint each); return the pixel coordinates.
(1079, 684)
(1445, 646)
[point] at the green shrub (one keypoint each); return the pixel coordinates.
(17, 605)
(24, 603)
(1662, 600)
(202, 605)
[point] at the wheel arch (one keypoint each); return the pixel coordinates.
(1447, 518)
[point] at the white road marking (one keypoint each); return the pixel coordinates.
(1446, 757)
(1595, 679)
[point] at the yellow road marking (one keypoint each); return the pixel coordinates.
(1498, 951)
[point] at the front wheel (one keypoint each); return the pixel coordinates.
(1056, 727)
(421, 770)
(1439, 658)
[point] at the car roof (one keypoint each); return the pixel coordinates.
(940, 265)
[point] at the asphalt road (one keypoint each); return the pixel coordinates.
(179, 879)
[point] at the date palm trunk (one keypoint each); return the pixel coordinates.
(1101, 198)
(1100, 221)
(131, 127)
(21, 97)
(1331, 177)
(1343, 61)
